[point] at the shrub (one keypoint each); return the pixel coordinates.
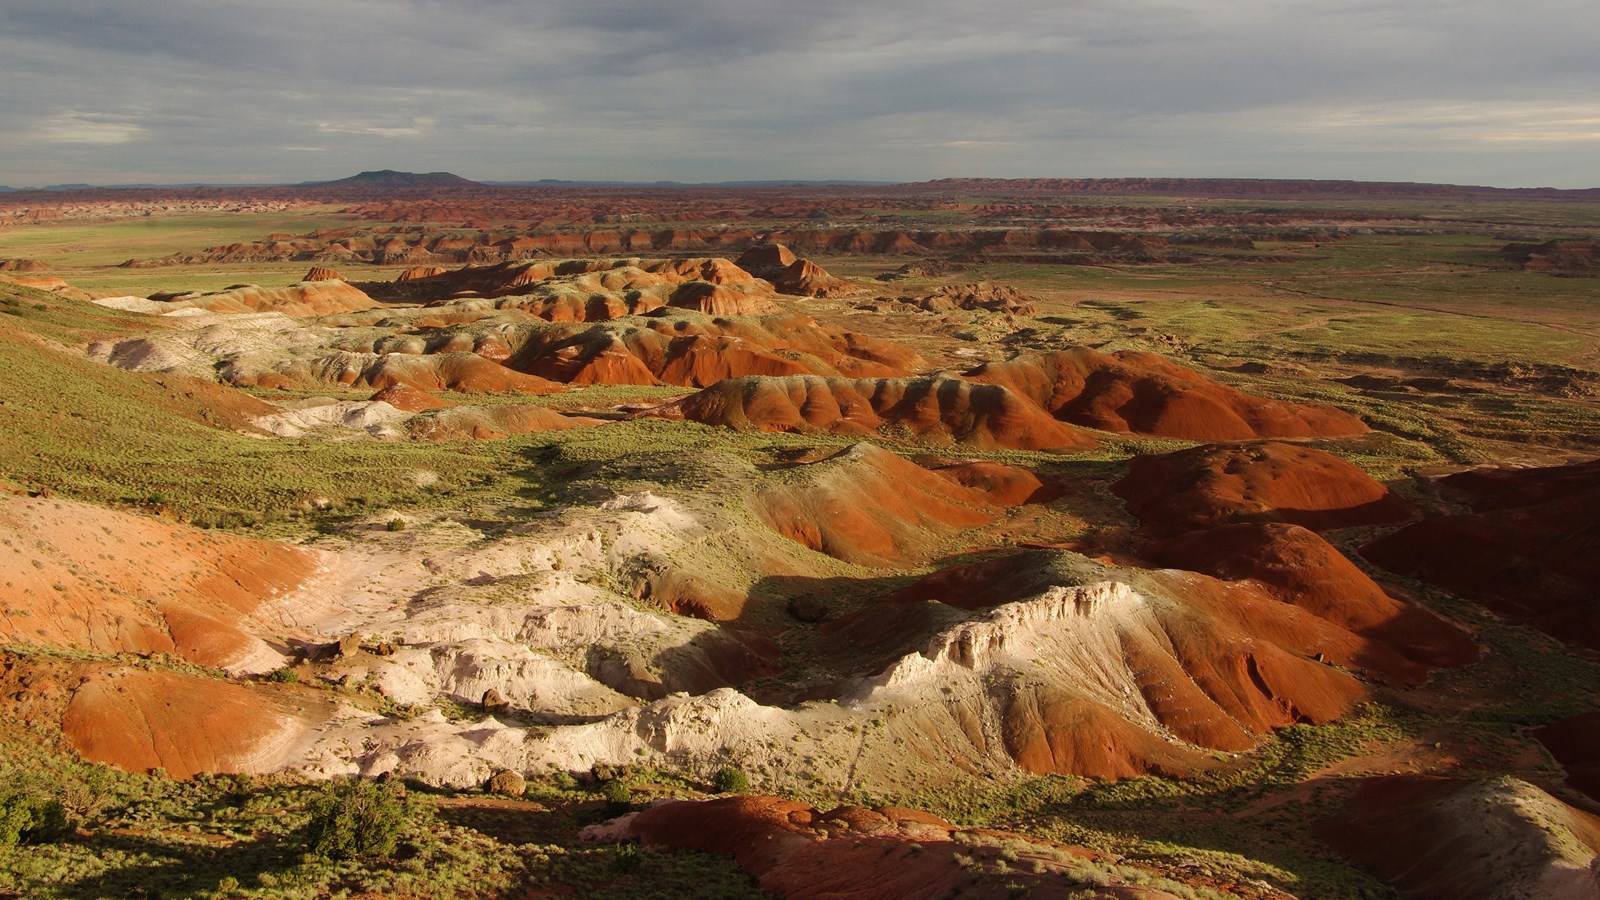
(285, 675)
(731, 780)
(358, 819)
(618, 796)
(30, 818)
(395, 524)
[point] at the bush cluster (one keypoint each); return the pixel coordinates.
(359, 819)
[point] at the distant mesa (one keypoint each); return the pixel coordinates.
(1142, 393)
(1555, 256)
(390, 180)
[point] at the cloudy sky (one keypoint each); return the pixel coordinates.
(1463, 91)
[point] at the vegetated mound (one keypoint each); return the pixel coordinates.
(1448, 837)
(458, 371)
(23, 265)
(1216, 484)
(869, 506)
(1298, 567)
(982, 295)
(142, 719)
(696, 350)
(652, 280)
(307, 298)
(1530, 549)
(880, 853)
(1555, 256)
(86, 578)
(1132, 391)
(487, 423)
(932, 407)
(1575, 743)
(1080, 668)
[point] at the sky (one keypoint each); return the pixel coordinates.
(220, 91)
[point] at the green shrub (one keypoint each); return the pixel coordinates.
(396, 524)
(30, 818)
(359, 819)
(731, 780)
(618, 796)
(285, 675)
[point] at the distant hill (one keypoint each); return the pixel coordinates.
(1249, 188)
(390, 180)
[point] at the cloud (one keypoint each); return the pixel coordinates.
(730, 89)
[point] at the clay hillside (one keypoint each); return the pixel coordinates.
(410, 536)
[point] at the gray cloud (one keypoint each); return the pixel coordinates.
(1433, 90)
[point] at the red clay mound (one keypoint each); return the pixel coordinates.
(87, 578)
(313, 298)
(491, 423)
(137, 719)
(24, 265)
(1531, 550)
(1267, 482)
(859, 853)
(805, 278)
(1298, 567)
(699, 351)
(871, 507)
(416, 272)
(323, 273)
(1113, 672)
(765, 260)
(1130, 391)
(458, 371)
(929, 408)
(1004, 485)
(1575, 743)
(1448, 838)
(405, 397)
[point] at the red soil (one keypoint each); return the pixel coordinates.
(138, 719)
(457, 371)
(1267, 482)
(492, 422)
(1298, 567)
(871, 507)
(700, 351)
(316, 298)
(1003, 485)
(1531, 548)
(1129, 391)
(930, 407)
(87, 578)
(1575, 743)
(856, 853)
(323, 273)
(405, 397)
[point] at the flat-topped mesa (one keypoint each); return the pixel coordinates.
(931, 407)
(1142, 393)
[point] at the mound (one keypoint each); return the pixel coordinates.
(1091, 670)
(308, 298)
(1575, 743)
(698, 351)
(1003, 485)
(459, 371)
(1555, 256)
(857, 853)
(871, 507)
(409, 399)
(1129, 391)
(85, 578)
(807, 279)
(983, 295)
(140, 719)
(1267, 482)
(1531, 548)
(322, 273)
(491, 423)
(1449, 838)
(930, 408)
(23, 265)
(1298, 567)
